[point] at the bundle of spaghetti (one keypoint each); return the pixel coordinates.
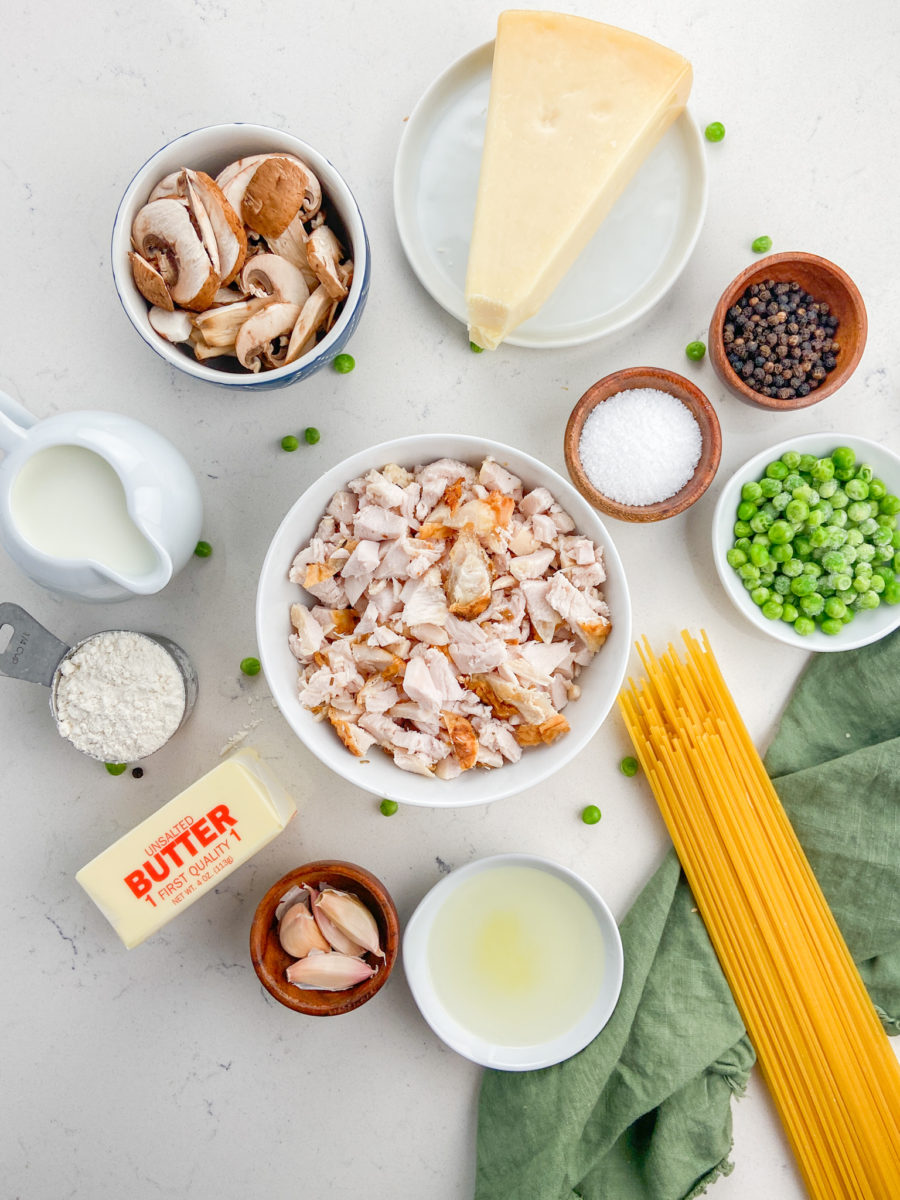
(822, 1050)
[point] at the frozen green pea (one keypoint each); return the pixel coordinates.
(770, 487)
(714, 132)
(759, 595)
(857, 489)
(827, 488)
(772, 609)
(804, 626)
(789, 613)
(831, 626)
(761, 244)
(891, 593)
(629, 766)
(746, 509)
(735, 557)
(797, 511)
(843, 457)
(591, 814)
(782, 585)
(751, 491)
(803, 585)
(388, 807)
(869, 600)
(811, 605)
(741, 529)
(877, 489)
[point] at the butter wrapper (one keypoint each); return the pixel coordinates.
(188, 847)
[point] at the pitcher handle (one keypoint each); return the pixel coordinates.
(15, 421)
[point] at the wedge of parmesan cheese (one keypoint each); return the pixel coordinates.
(575, 108)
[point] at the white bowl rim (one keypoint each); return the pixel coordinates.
(349, 213)
(404, 787)
(722, 539)
(469, 1045)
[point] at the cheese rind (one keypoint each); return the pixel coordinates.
(188, 847)
(575, 108)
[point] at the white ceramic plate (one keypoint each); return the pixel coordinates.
(599, 681)
(866, 626)
(462, 1039)
(632, 261)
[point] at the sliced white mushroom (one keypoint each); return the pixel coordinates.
(171, 186)
(256, 335)
(231, 240)
(292, 245)
(174, 325)
(279, 188)
(324, 253)
(202, 223)
(274, 277)
(229, 295)
(310, 319)
(164, 235)
(219, 326)
(226, 177)
(203, 351)
(149, 282)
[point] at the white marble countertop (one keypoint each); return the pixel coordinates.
(166, 1071)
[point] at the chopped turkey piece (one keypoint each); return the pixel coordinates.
(543, 618)
(469, 576)
(380, 490)
(310, 634)
(434, 635)
(463, 738)
(425, 604)
(419, 686)
(537, 501)
(377, 695)
(561, 519)
(574, 608)
(377, 523)
(355, 739)
(436, 477)
(342, 507)
(522, 540)
(363, 561)
(417, 764)
(424, 721)
(531, 566)
(547, 732)
(448, 768)
(533, 706)
(497, 479)
(497, 735)
(543, 528)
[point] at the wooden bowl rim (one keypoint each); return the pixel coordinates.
(752, 274)
(262, 929)
(694, 400)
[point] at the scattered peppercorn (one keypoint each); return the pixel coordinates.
(591, 815)
(311, 435)
(203, 549)
(475, 348)
(289, 443)
(388, 807)
(780, 340)
(344, 364)
(629, 766)
(695, 351)
(117, 768)
(137, 773)
(251, 666)
(761, 245)
(715, 131)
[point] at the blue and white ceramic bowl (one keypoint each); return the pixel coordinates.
(210, 150)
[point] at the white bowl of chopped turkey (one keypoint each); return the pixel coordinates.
(464, 626)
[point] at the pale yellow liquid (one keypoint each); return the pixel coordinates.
(516, 955)
(69, 502)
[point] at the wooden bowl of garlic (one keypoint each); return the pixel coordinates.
(325, 938)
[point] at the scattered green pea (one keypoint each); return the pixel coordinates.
(475, 348)
(251, 666)
(591, 815)
(715, 131)
(117, 768)
(311, 435)
(629, 766)
(344, 364)
(761, 245)
(289, 443)
(203, 549)
(695, 351)
(388, 807)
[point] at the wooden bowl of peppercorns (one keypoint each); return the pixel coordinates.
(788, 331)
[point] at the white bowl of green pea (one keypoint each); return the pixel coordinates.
(806, 541)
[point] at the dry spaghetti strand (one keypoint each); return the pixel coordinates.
(825, 1057)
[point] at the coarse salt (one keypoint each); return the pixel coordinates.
(640, 446)
(119, 696)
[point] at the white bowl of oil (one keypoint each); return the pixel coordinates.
(514, 961)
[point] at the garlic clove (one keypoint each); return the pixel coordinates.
(328, 972)
(349, 916)
(338, 940)
(298, 932)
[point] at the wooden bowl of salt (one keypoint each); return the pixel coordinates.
(643, 444)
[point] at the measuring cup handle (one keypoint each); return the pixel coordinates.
(32, 653)
(15, 421)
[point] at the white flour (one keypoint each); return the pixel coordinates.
(119, 697)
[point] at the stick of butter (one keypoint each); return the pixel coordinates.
(188, 847)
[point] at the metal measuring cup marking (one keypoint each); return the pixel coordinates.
(35, 655)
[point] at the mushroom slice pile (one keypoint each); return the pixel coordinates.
(260, 227)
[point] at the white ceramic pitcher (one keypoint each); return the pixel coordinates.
(161, 495)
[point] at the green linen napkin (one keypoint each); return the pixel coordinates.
(644, 1111)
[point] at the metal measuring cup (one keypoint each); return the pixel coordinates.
(36, 656)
